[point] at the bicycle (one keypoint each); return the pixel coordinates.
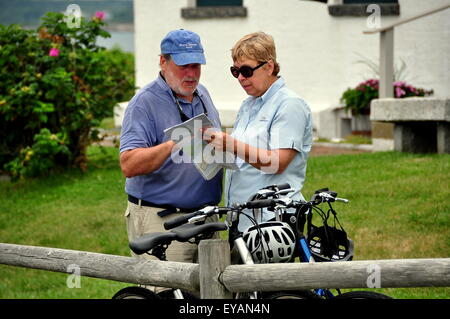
(156, 244)
(185, 228)
(288, 225)
(323, 243)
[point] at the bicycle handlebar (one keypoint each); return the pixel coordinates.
(283, 186)
(320, 196)
(180, 220)
(261, 203)
(197, 216)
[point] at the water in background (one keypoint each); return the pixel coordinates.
(124, 39)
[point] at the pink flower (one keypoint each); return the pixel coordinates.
(53, 52)
(399, 92)
(100, 15)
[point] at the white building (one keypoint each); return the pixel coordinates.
(318, 51)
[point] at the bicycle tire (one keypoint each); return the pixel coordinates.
(168, 294)
(362, 295)
(135, 293)
(295, 294)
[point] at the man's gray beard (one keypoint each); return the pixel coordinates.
(169, 79)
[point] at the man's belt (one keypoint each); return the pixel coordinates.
(167, 209)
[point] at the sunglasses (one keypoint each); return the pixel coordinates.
(245, 70)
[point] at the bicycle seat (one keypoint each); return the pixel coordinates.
(182, 233)
(148, 241)
(188, 231)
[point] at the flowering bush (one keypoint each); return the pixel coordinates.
(56, 85)
(358, 99)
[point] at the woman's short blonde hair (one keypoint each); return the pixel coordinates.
(257, 46)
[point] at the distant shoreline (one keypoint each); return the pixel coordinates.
(119, 27)
(122, 27)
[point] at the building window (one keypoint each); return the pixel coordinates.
(204, 9)
(358, 8)
(218, 3)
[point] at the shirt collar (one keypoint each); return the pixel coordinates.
(255, 103)
(278, 84)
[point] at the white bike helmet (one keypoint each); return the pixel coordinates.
(276, 245)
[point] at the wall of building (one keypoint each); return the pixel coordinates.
(318, 53)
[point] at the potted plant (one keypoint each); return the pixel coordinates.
(358, 99)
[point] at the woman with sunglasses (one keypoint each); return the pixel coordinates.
(272, 135)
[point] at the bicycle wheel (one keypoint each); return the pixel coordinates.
(297, 294)
(168, 294)
(362, 295)
(135, 293)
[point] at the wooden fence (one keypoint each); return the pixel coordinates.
(215, 278)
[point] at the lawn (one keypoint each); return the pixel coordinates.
(399, 208)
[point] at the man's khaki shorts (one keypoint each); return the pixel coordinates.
(141, 220)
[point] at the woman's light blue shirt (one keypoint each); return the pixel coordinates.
(278, 119)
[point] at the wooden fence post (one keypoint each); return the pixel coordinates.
(213, 257)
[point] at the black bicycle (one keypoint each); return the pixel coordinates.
(279, 240)
(192, 228)
(156, 244)
(326, 242)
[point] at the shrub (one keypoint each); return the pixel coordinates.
(358, 99)
(56, 86)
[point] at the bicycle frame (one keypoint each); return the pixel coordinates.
(306, 256)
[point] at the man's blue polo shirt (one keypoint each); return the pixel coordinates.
(149, 113)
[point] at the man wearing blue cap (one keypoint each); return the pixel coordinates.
(159, 186)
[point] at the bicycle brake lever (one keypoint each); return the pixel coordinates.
(285, 201)
(285, 191)
(196, 219)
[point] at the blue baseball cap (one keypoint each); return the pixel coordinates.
(184, 47)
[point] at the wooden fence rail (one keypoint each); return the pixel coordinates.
(117, 268)
(216, 278)
(393, 273)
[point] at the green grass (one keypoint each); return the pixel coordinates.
(71, 211)
(398, 208)
(351, 139)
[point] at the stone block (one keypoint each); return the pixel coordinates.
(415, 137)
(410, 109)
(443, 137)
(334, 123)
(421, 124)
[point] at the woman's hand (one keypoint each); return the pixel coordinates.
(269, 161)
(221, 141)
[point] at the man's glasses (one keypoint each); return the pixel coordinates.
(245, 70)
